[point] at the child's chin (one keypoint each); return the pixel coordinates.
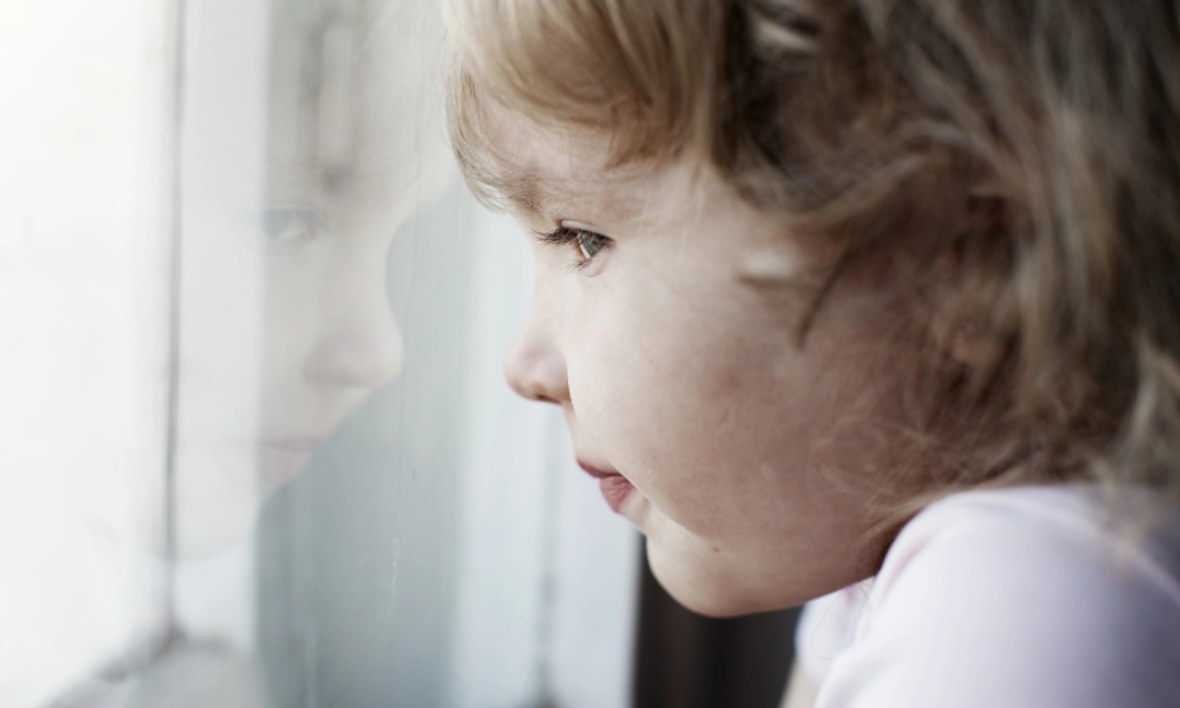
(700, 590)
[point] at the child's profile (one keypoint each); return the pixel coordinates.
(286, 325)
(867, 303)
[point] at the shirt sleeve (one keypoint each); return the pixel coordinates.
(984, 605)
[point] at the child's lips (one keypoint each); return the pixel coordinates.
(615, 487)
(281, 458)
(597, 472)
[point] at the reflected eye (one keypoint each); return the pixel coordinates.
(288, 226)
(588, 243)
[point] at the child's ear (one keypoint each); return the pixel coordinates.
(972, 346)
(970, 274)
(963, 330)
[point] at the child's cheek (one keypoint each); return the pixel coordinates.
(728, 384)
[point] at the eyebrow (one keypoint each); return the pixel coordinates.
(521, 190)
(528, 190)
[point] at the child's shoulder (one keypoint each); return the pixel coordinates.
(1032, 556)
(1059, 532)
(1019, 597)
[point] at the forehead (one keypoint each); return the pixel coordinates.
(557, 171)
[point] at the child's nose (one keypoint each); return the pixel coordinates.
(535, 368)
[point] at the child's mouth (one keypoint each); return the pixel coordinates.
(615, 487)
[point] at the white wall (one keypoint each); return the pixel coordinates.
(85, 191)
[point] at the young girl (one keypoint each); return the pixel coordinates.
(881, 295)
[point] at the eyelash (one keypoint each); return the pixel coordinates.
(291, 227)
(565, 235)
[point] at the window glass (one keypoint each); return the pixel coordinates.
(263, 454)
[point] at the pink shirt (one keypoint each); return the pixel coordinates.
(1025, 597)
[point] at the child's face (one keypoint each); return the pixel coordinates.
(677, 370)
(286, 326)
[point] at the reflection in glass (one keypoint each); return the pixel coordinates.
(295, 188)
(310, 141)
(245, 480)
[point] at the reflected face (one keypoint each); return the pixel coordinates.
(298, 175)
(286, 329)
(683, 386)
(329, 336)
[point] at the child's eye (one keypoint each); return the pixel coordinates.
(588, 243)
(290, 226)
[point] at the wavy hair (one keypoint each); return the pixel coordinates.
(1031, 146)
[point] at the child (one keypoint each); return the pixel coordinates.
(863, 290)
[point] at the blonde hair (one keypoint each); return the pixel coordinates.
(1032, 146)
